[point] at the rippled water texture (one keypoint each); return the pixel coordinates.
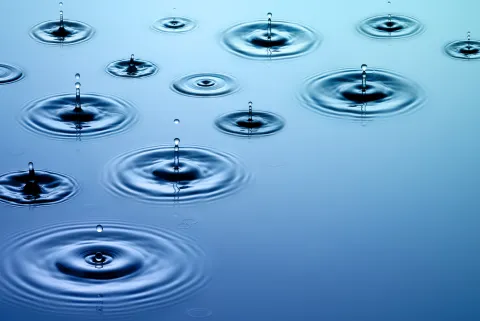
(395, 27)
(340, 94)
(260, 124)
(287, 40)
(9, 74)
(17, 188)
(49, 32)
(464, 49)
(138, 69)
(205, 85)
(54, 269)
(149, 175)
(100, 115)
(171, 24)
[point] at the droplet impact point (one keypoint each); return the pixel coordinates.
(176, 141)
(364, 67)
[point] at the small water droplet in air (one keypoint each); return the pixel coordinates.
(176, 141)
(99, 228)
(468, 36)
(60, 4)
(77, 76)
(77, 85)
(176, 121)
(269, 15)
(364, 67)
(30, 166)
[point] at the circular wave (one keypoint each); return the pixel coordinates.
(9, 74)
(100, 115)
(463, 49)
(396, 26)
(340, 94)
(171, 24)
(239, 123)
(150, 175)
(50, 32)
(205, 85)
(286, 40)
(138, 69)
(17, 188)
(56, 268)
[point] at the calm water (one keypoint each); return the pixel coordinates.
(341, 220)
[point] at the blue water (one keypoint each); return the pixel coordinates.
(340, 221)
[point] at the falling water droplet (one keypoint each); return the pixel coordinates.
(176, 121)
(468, 36)
(269, 15)
(176, 141)
(250, 110)
(31, 171)
(77, 85)
(98, 257)
(364, 67)
(77, 76)
(99, 228)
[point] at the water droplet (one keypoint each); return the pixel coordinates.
(77, 85)
(364, 67)
(269, 15)
(468, 36)
(250, 104)
(176, 121)
(176, 141)
(99, 228)
(77, 76)
(30, 167)
(98, 257)
(60, 4)
(132, 56)
(176, 148)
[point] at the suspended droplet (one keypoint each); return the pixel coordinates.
(389, 17)
(77, 76)
(176, 141)
(250, 104)
(77, 85)
(99, 228)
(98, 266)
(468, 36)
(98, 257)
(269, 15)
(60, 4)
(30, 167)
(176, 121)
(364, 67)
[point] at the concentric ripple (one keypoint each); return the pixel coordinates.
(54, 269)
(73, 32)
(340, 94)
(396, 26)
(49, 188)
(9, 74)
(464, 49)
(287, 40)
(138, 69)
(205, 85)
(239, 123)
(100, 115)
(171, 24)
(149, 175)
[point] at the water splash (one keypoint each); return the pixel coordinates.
(62, 268)
(271, 40)
(65, 32)
(132, 68)
(68, 116)
(461, 49)
(189, 174)
(250, 123)
(347, 94)
(390, 26)
(174, 24)
(205, 85)
(36, 187)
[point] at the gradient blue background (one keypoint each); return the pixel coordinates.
(341, 222)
